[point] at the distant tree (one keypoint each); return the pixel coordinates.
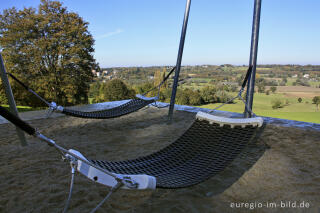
(51, 50)
(299, 100)
(157, 78)
(261, 88)
(302, 82)
(194, 97)
(273, 89)
(285, 80)
(208, 94)
(260, 81)
(223, 96)
(163, 75)
(182, 98)
(233, 88)
(143, 88)
(115, 90)
(165, 95)
(94, 91)
(316, 101)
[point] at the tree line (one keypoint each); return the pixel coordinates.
(117, 89)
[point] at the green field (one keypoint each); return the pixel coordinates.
(305, 111)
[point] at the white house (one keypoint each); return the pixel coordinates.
(306, 76)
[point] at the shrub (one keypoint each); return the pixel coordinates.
(268, 92)
(316, 101)
(277, 103)
(273, 89)
(299, 100)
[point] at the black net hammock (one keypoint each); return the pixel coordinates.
(118, 111)
(205, 149)
(132, 105)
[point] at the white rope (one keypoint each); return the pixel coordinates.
(71, 189)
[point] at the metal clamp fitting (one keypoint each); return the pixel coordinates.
(127, 181)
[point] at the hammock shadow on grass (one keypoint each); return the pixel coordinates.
(244, 162)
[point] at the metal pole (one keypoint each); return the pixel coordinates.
(179, 59)
(12, 103)
(253, 56)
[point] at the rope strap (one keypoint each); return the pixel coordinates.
(246, 77)
(113, 189)
(239, 95)
(17, 121)
(73, 168)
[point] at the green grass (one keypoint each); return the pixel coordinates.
(90, 100)
(314, 84)
(194, 86)
(313, 117)
(22, 108)
(290, 81)
(262, 106)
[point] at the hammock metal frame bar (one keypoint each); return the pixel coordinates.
(11, 101)
(253, 56)
(179, 59)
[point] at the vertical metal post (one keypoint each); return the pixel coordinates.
(12, 103)
(253, 56)
(179, 59)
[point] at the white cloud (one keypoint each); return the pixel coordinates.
(118, 31)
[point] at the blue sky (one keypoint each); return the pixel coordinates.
(147, 32)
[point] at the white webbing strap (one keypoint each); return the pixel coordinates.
(143, 181)
(243, 122)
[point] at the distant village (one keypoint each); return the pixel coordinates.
(104, 74)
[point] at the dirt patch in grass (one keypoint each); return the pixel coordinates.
(301, 94)
(297, 89)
